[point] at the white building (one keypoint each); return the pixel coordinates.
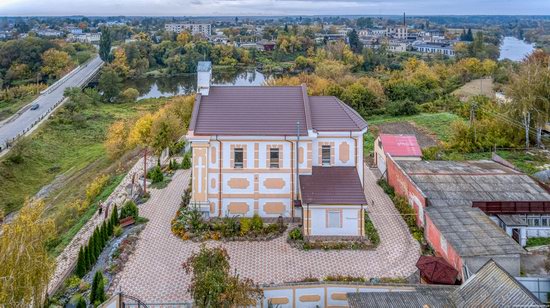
(278, 152)
(204, 29)
(443, 49)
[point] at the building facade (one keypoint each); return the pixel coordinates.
(253, 147)
(203, 29)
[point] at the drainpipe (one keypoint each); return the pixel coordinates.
(297, 166)
(292, 193)
(220, 160)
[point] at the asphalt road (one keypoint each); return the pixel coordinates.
(47, 102)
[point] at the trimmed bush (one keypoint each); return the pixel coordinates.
(186, 163)
(257, 223)
(246, 224)
(296, 234)
(129, 209)
(155, 175)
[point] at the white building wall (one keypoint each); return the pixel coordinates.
(350, 221)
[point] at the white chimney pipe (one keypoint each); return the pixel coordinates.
(204, 74)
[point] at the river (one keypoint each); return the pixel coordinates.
(515, 49)
(153, 87)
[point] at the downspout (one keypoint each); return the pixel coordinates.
(361, 219)
(291, 176)
(297, 165)
(220, 160)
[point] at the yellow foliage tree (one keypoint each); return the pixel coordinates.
(120, 63)
(140, 134)
(26, 266)
(183, 38)
(116, 142)
(55, 62)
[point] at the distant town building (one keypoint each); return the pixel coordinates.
(49, 33)
(265, 45)
(92, 38)
(441, 48)
(398, 32)
(74, 30)
(204, 29)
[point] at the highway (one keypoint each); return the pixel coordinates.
(47, 101)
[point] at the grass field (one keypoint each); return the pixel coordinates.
(436, 124)
(9, 108)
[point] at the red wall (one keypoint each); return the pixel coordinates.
(433, 236)
(404, 187)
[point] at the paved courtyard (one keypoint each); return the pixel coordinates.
(154, 272)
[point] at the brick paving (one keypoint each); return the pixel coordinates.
(154, 272)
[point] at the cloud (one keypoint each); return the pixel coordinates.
(270, 7)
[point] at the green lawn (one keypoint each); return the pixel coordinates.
(9, 108)
(538, 241)
(439, 124)
(63, 151)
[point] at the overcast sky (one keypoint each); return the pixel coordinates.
(271, 7)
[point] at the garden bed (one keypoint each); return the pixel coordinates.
(370, 241)
(189, 224)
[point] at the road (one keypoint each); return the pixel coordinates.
(48, 100)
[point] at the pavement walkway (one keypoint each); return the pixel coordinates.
(154, 272)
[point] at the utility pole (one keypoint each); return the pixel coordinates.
(473, 119)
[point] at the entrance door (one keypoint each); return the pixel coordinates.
(515, 234)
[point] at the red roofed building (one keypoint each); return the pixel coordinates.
(400, 147)
(277, 152)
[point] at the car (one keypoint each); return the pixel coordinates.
(35, 106)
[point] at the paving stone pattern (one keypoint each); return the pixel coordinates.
(154, 273)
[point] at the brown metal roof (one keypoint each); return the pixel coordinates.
(272, 111)
(330, 114)
(332, 185)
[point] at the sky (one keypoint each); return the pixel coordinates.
(270, 7)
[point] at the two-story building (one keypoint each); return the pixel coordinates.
(277, 152)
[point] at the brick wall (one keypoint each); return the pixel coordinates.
(437, 242)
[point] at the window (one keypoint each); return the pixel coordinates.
(238, 161)
(325, 155)
(274, 158)
(333, 220)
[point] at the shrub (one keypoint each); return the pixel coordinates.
(229, 226)
(129, 95)
(257, 223)
(155, 175)
(400, 108)
(370, 231)
(129, 209)
(186, 163)
(296, 234)
(246, 224)
(117, 231)
(386, 187)
(94, 188)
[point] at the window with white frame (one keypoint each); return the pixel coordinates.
(325, 155)
(274, 158)
(535, 220)
(238, 158)
(334, 219)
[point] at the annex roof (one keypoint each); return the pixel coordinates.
(471, 232)
(269, 111)
(491, 286)
(400, 145)
(452, 183)
(332, 185)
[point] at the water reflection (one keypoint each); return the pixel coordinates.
(152, 87)
(515, 49)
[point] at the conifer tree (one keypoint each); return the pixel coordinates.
(87, 257)
(80, 265)
(115, 213)
(110, 227)
(105, 233)
(97, 294)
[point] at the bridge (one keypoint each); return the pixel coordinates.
(26, 119)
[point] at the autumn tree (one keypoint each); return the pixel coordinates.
(110, 84)
(212, 285)
(105, 44)
(26, 266)
(183, 38)
(166, 130)
(55, 63)
(120, 63)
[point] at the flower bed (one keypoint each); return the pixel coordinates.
(297, 240)
(190, 224)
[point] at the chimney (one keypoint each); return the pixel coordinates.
(204, 74)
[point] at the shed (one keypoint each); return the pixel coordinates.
(400, 147)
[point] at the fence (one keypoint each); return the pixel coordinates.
(539, 286)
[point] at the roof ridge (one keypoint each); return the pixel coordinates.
(346, 108)
(195, 112)
(307, 109)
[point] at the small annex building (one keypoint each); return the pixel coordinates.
(464, 208)
(491, 286)
(400, 147)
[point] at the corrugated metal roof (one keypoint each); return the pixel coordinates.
(271, 111)
(419, 297)
(492, 286)
(332, 185)
(400, 145)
